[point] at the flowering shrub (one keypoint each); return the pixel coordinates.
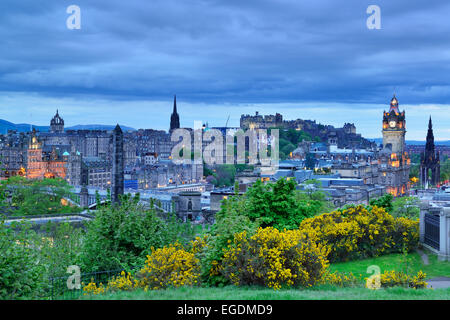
(340, 279)
(170, 266)
(92, 288)
(395, 278)
(124, 282)
(274, 259)
(356, 233)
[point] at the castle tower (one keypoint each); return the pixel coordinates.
(429, 160)
(394, 160)
(57, 124)
(174, 118)
(117, 183)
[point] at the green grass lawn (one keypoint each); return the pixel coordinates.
(389, 262)
(394, 262)
(249, 293)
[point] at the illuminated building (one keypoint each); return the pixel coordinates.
(43, 162)
(394, 162)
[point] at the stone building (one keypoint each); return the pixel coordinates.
(45, 162)
(188, 205)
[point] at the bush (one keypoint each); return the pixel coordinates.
(229, 221)
(21, 274)
(356, 233)
(340, 279)
(395, 278)
(170, 266)
(274, 259)
(120, 237)
(278, 205)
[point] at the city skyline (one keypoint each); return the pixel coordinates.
(316, 61)
(417, 117)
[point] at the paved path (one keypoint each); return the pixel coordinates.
(439, 282)
(424, 257)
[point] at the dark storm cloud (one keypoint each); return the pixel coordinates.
(229, 51)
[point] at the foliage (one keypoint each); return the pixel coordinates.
(357, 233)
(60, 247)
(407, 207)
(289, 140)
(229, 221)
(445, 169)
(274, 259)
(277, 205)
(384, 201)
(38, 197)
(395, 278)
(340, 279)
(120, 237)
(221, 175)
(314, 197)
(21, 273)
(171, 266)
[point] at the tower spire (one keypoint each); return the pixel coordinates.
(175, 103)
(174, 118)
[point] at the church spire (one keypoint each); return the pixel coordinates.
(174, 118)
(175, 103)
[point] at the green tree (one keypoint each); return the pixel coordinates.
(120, 237)
(384, 201)
(38, 197)
(276, 205)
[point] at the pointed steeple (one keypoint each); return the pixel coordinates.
(117, 129)
(394, 104)
(174, 118)
(175, 103)
(430, 124)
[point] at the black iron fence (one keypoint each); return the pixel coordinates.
(432, 230)
(59, 287)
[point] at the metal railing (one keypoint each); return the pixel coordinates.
(59, 289)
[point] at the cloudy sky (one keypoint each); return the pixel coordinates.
(305, 59)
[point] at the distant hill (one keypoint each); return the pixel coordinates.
(415, 142)
(25, 127)
(98, 127)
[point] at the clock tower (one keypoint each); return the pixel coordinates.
(394, 161)
(394, 128)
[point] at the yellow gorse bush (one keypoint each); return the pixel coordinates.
(341, 279)
(274, 259)
(92, 288)
(171, 266)
(356, 233)
(395, 278)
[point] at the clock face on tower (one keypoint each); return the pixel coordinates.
(392, 124)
